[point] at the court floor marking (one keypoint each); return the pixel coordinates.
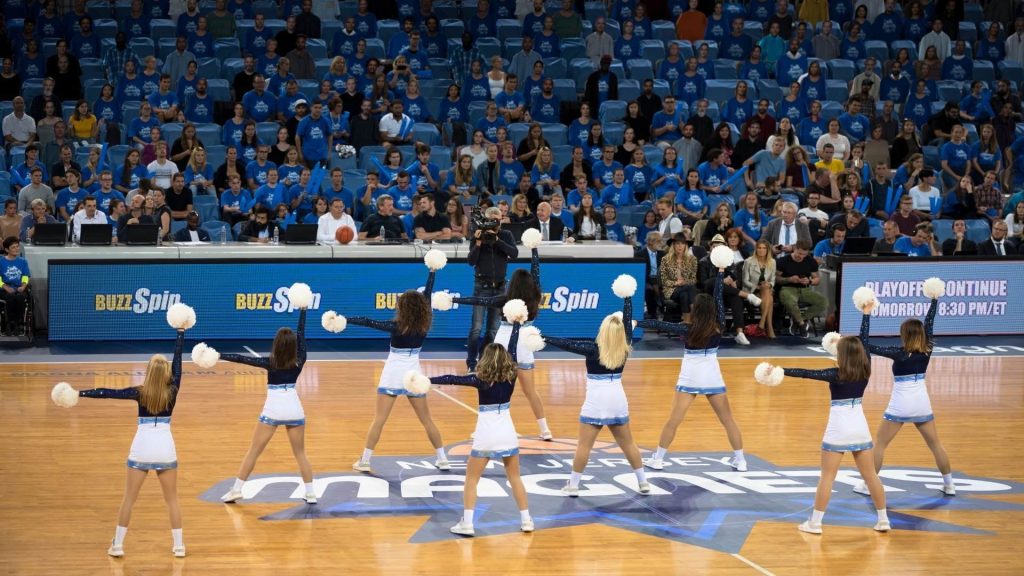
(752, 564)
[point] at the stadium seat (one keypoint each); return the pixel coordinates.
(719, 90)
(555, 68)
(591, 10)
(5, 185)
(441, 68)
(652, 50)
(612, 110)
(897, 45)
(426, 133)
(517, 132)
(661, 88)
(726, 69)
(830, 110)
(753, 29)
(555, 134)
(836, 90)
(1012, 71)
(968, 32)
(663, 31)
(581, 68)
(476, 111)
(172, 131)
(562, 155)
(950, 91)
(215, 228)
(366, 155)
(510, 47)
(770, 89)
(375, 48)
(509, 28)
(386, 29)
(206, 206)
(317, 48)
(984, 71)
(209, 68)
(225, 48)
(573, 48)
(978, 230)
(441, 156)
(267, 132)
(943, 230)
(229, 68)
(452, 28)
(613, 132)
(489, 47)
(639, 69)
(219, 89)
(215, 153)
(116, 154)
(143, 47)
(840, 69)
(105, 27)
(878, 49)
(565, 89)
(629, 90)
(210, 133)
(164, 46)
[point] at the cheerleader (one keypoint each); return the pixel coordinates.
(700, 374)
(605, 403)
(495, 435)
(408, 331)
(153, 446)
(523, 286)
(847, 429)
(909, 401)
(283, 407)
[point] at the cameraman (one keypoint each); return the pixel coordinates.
(492, 249)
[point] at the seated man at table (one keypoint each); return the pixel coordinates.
(998, 244)
(89, 214)
(192, 232)
(37, 215)
(922, 243)
(890, 234)
(259, 229)
(856, 224)
(831, 245)
(383, 219)
(328, 224)
(136, 214)
(428, 224)
(959, 243)
(797, 274)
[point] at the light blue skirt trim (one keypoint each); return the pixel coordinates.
(847, 402)
(146, 420)
(152, 465)
(905, 419)
(604, 421)
(281, 386)
(398, 392)
(272, 422)
(909, 378)
(494, 453)
(406, 351)
(701, 391)
(526, 365)
(701, 352)
(495, 407)
(846, 447)
(522, 325)
(605, 377)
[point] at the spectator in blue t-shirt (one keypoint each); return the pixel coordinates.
(256, 171)
(259, 105)
(546, 105)
(954, 156)
(714, 173)
(313, 137)
(15, 275)
(766, 163)
(666, 124)
(831, 245)
(921, 243)
(855, 125)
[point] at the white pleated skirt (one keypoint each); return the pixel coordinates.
(524, 356)
(495, 435)
(909, 401)
(605, 404)
(847, 429)
(283, 407)
(700, 373)
(400, 361)
(153, 446)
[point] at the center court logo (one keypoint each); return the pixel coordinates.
(697, 499)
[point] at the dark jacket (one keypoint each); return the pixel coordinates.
(183, 235)
(555, 227)
(590, 94)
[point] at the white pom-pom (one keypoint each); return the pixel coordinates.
(181, 316)
(204, 356)
(721, 256)
(934, 288)
(864, 299)
(531, 238)
(515, 311)
(333, 322)
(441, 301)
(624, 286)
(416, 383)
(830, 341)
(300, 295)
(531, 338)
(435, 259)
(768, 375)
(64, 395)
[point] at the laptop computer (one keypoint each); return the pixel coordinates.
(858, 246)
(517, 229)
(140, 234)
(97, 235)
(50, 234)
(300, 234)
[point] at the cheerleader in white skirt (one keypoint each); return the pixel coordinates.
(408, 331)
(495, 435)
(699, 374)
(605, 403)
(153, 446)
(282, 408)
(909, 401)
(523, 286)
(847, 429)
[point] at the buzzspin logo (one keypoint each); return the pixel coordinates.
(563, 299)
(142, 301)
(276, 301)
(697, 499)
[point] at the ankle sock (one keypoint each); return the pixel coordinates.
(467, 517)
(659, 454)
(177, 537)
(367, 454)
(574, 479)
(119, 535)
(816, 516)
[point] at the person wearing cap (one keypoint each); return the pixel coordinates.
(602, 85)
(677, 275)
(733, 294)
(599, 43)
(925, 193)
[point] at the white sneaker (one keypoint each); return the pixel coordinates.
(754, 299)
(115, 551)
(442, 465)
(741, 339)
(739, 464)
(179, 551)
(644, 487)
(310, 498)
(862, 488)
(361, 466)
(232, 496)
(882, 526)
(570, 491)
(949, 489)
(546, 436)
(806, 526)
(527, 525)
(654, 464)
(462, 529)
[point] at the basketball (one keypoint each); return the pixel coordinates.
(344, 235)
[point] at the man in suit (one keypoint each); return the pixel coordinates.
(550, 228)
(998, 244)
(651, 255)
(192, 232)
(783, 233)
(733, 294)
(959, 243)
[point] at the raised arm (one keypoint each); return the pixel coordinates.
(535, 267)
(254, 361)
(627, 318)
(581, 347)
(719, 303)
(826, 375)
(456, 380)
(513, 343)
(382, 325)
(929, 323)
(488, 301)
(179, 346)
(890, 352)
(300, 338)
(114, 393)
(662, 326)
(429, 287)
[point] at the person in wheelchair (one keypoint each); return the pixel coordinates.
(14, 292)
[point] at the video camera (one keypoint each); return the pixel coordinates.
(488, 228)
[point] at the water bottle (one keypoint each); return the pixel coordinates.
(597, 231)
(382, 234)
(565, 234)
(224, 235)
(277, 236)
(159, 237)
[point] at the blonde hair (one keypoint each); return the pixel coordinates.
(611, 342)
(156, 392)
(496, 365)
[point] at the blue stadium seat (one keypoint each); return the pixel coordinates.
(836, 90)
(973, 12)
(452, 28)
(116, 154)
(236, 230)
(652, 50)
(309, 87)
(511, 47)
(344, 163)
(661, 88)
(489, 47)
(209, 133)
(206, 206)
(1012, 71)
(367, 154)
(274, 24)
(581, 68)
(91, 67)
(441, 156)
(653, 154)
(433, 88)
(215, 228)
(984, 71)
(714, 110)
(105, 27)
(943, 230)
(267, 132)
(509, 28)
(555, 68)
(612, 110)
(386, 29)
(5, 185)
(840, 69)
(639, 69)
(611, 27)
(97, 10)
(129, 112)
(434, 106)
(950, 91)
(321, 67)
(978, 230)
(629, 90)
(209, 68)
(317, 47)
(878, 49)
(715, 199)
(172, 130)
(426, 133)
(215, 153)
(719, 90)
(225, 48)
(375, 48)
(565, 89)
(972, 132)
(468, 7)
(562, 155)
(476, 111)
(555, 134)
(177, 225)
(164, 47)
(517, 132)
(266, 7)
(574, 48)
(353, 180)
(726, 69)
(897, 45)
(67, 109)
(229, 68)
(931, 156)
(663, 31)
(968, 32)
(769, 89)
(613, 132)
(142, 46)
(830, 110)
(441, 68)
(753, 29)
(591, 10)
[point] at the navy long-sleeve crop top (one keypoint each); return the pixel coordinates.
(908, 363)
(499, 301)
(402, 341)
(496, 393)
(133, 392)
(839, 389)
(589, 349)
(283, 375)
(684, 329)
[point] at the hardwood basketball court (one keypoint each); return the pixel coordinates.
(64, 470)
